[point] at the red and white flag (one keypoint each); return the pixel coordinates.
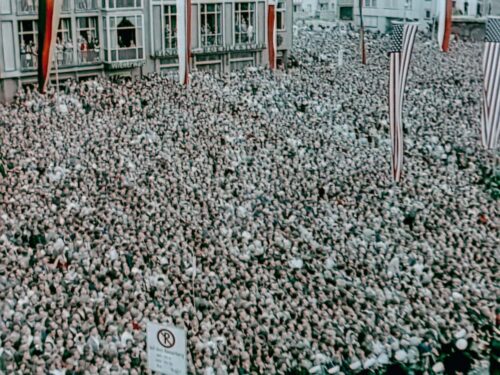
(403, 39)
(490, 120)
(184, 39)
(271, 33)
(48, 22)
(445, 9)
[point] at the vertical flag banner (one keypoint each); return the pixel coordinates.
(490, 119)
(445, 10)
(271, 33)
(48, 22)
(403, 39)
(184, 39)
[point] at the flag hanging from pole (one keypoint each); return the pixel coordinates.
(490, 120)
(48, 22)
(403, 39)
(444, 27)
(184, 39)
(271, 33)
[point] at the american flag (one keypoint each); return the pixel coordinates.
(490, 121)
(400, 50)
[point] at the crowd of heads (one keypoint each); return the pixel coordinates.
(255, 210)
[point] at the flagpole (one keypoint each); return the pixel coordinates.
(362, 33)
(57, 75)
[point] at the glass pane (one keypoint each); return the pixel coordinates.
(113, 41)
(138, 42)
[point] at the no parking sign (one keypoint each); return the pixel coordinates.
(166, 349)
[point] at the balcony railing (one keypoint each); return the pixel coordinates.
(85, 5)
(65, 57)
(27, 6)
(29, 61)
(125, 54)
(88, 57)
(211, 40)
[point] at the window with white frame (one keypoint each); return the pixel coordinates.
(211, 25)
(126, 38)
(370, 3)
(85, 5)
(280, 16)
(122, 3)
(408, 4)
(244, 22)
(88, 39)
(64, 47)
(170, 14)
(28, 39)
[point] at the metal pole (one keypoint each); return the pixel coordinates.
(362, 33)
(57, 75)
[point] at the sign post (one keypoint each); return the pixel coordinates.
(166, 349)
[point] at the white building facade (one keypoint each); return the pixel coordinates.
(379, 14)
(135, 37)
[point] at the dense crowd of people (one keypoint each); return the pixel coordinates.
(256, 210)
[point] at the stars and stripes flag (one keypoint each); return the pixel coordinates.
(48, 22)
(184, 39)
(490, 120)
(445, 9)
(400, 50)
(271, 33)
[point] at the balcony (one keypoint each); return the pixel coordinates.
(65, 57)
(88, 57)
(85, 5)
(124, 54)
(29, 61)
(211, 40)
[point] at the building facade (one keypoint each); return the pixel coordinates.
(135, 37)
(327, 10)
(378, 15)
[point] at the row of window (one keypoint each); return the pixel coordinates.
(85, 49)
(395, 4)
(126, 34)
(31, 6)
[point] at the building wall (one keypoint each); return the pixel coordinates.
(97, 39)
(378, 14)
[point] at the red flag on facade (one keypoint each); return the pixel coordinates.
(271, 33)
(48, 22)
(445, 24)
